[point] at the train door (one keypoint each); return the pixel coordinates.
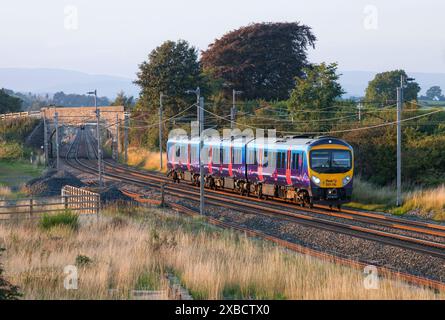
(189, 155)
(289, 163)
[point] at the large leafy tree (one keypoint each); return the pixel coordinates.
(123, 100)
(435, 92)
(382, 90)
(171, 68)
(261, 59)
(9, 103)
(312, 99)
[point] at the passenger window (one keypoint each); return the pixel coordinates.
(215, 155)
(295, 161)
(281, 160)
(178, 151)
(221, 156)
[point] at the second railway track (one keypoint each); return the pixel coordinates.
(274, 210)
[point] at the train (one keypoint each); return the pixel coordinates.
(302, 169)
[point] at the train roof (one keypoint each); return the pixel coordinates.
(302, 141)
(297, 142)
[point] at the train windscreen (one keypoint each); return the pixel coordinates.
(331, 161)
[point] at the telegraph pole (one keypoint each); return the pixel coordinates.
(359, 107)
(400, 98)
(233, 109)
(201, 165)
(117, 137)
(56, 124)
(99, 149)
(160, 129)
(126, 138)
(198, 100)
(399, 145)
(45, 138)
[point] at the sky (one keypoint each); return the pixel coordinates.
(113, 37)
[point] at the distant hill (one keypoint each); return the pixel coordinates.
(42, 81)
(355, 82)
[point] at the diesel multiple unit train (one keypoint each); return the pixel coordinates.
(303, 169)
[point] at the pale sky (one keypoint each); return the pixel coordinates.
(113, 37)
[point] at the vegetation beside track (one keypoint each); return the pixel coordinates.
(426, 203)
(211, 263)
(145, 159)
(13, 176)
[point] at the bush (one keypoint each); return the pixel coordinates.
(83, 261)
(11, 151)
(66, 218)
(17, 130)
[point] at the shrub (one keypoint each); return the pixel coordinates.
(82, 261)
(11, 150)
(66, 218)
(17, 129)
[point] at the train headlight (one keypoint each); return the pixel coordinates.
(316, 180)
(346, 180)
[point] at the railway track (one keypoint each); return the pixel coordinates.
(277, 209)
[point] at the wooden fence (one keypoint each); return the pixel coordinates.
(31, 114)
(77, 200)
(81, 200)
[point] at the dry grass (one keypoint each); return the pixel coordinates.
(428, 203)
(36, 259)
(145, 159)
(212, 264)
(5, 192)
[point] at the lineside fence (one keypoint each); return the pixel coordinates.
(76, 200)
(27, 114)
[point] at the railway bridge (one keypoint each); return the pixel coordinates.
(67, 120)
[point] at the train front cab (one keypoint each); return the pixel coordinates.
(331, 167)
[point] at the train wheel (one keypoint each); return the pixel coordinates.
(175, 177)
(260, 191)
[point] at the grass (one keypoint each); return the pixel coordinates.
(145, 159)
(14, 173)
(135, 252)
(367, 194)
(13, 176)
(5, 192)
(67, 219)
(426, 203)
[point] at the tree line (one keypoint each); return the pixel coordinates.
(281, 89)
